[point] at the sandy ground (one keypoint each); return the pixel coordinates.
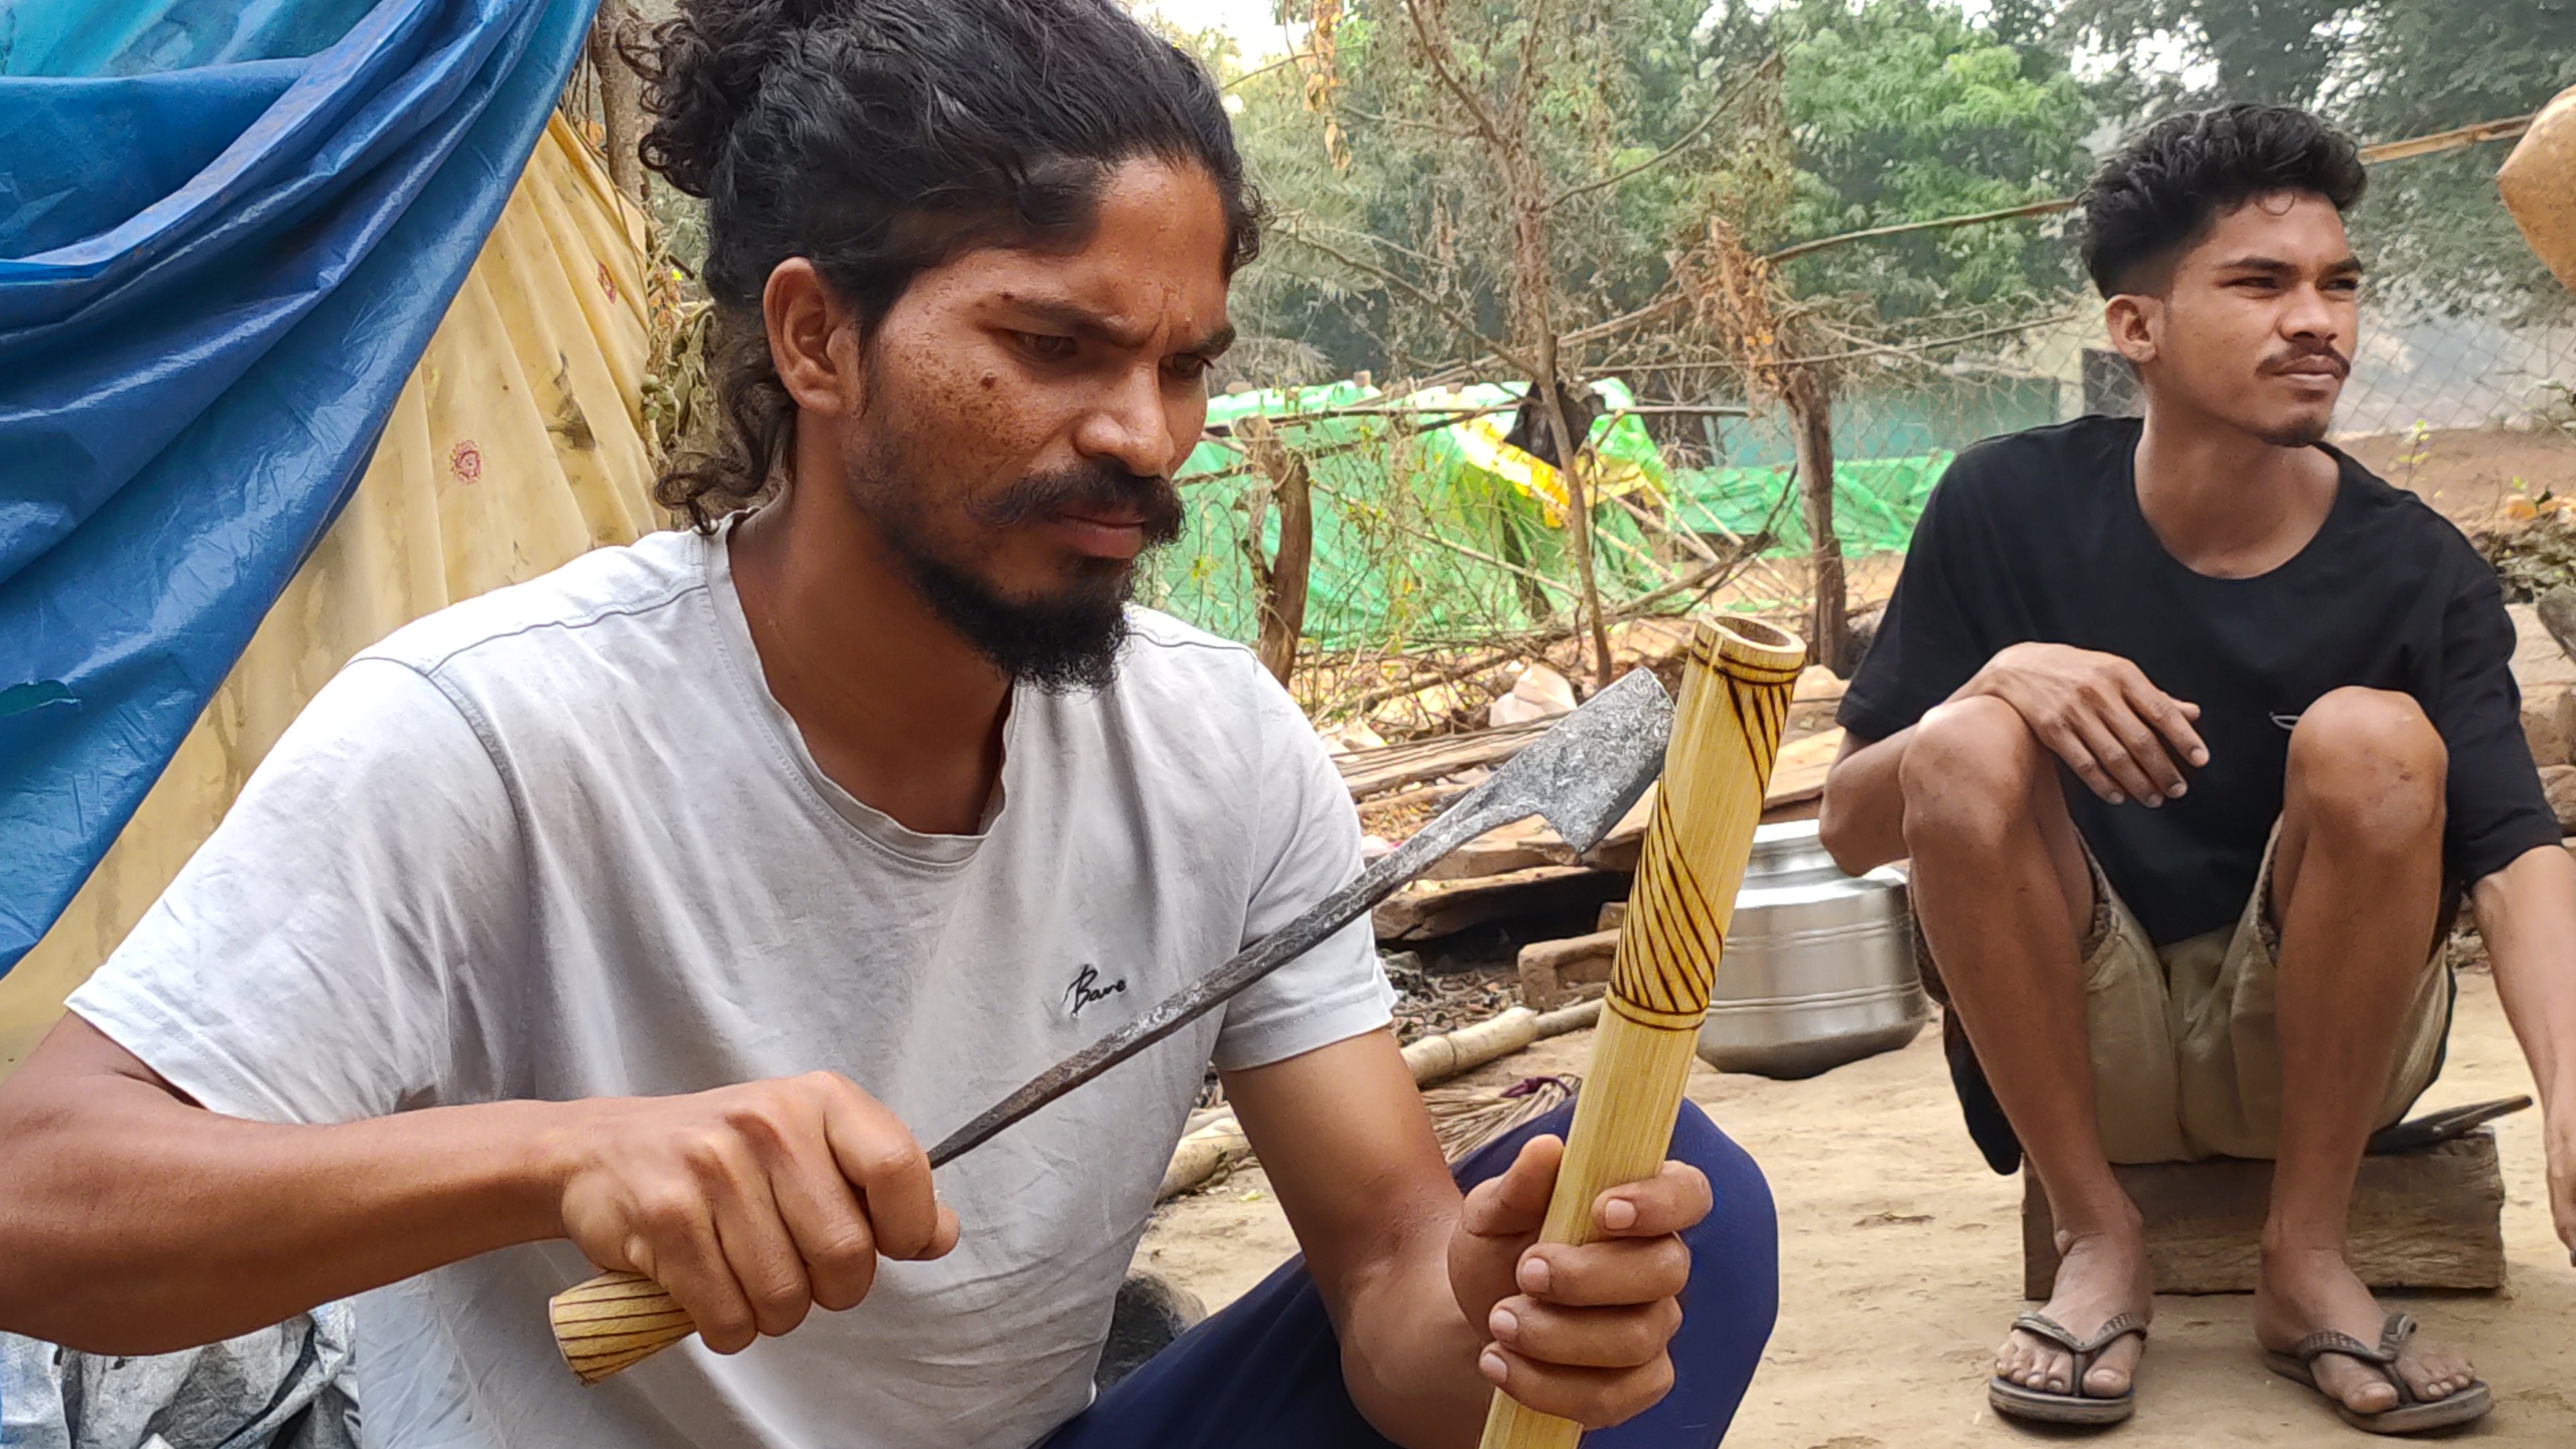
(1900, 1266)
(2468, 472)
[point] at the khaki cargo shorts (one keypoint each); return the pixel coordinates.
(2186, 1056)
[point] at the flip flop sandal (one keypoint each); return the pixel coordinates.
(2412, 1415)
(2075, 1406)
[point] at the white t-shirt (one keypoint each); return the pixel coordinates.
(559, 841)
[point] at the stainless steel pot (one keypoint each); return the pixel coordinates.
(1819, 965)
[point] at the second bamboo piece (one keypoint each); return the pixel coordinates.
(1726, 736)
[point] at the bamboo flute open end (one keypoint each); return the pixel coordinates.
(1726, 735)
(615, 1320)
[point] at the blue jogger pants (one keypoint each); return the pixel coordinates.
(1266, 1373)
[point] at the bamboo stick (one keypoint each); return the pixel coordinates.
(1438, 1058)
(1726, 736)
(607, 1323)
(1201, 1155)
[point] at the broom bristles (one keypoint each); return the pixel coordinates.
(1466, 1118)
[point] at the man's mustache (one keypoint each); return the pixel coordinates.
(2281, 362)
(1091, 490)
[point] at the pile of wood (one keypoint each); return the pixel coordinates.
(1524, 871)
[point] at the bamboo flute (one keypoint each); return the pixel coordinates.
(1726, 735)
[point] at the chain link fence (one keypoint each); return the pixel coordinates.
(1441, 563)
(1438, 561)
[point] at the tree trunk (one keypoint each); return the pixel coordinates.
(1282, 578)
(621, 99)
(1537, 286)
(1283, 604)
(1578, 508)
(1811, 418)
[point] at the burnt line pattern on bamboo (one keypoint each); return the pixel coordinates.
(1666, 964)
(1760, 699)
(1666, 959)
(615, 1320)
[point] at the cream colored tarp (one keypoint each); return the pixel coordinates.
(515, 446)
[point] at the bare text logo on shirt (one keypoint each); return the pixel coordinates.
(1086, 989)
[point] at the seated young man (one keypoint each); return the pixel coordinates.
(649, 915)
(2196, 733)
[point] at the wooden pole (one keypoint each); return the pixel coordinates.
(621, 99)
(1578, 508)
(1811, 417)
(1726, 735)
(1282, 580)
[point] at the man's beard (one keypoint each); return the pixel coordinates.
(1062, 642)
(2305, 433)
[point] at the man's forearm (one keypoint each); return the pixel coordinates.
(1376, 1210)
(1409, 1354)
(134, 1222)
(2527, 914)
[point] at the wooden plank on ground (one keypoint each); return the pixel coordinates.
(1556, 972)
(2428, 1219)
(1430, 908)
(1517, 846)
(1799, 774)
(1389, 767)
(1797, 779)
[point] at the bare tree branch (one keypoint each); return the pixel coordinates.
(1466, 325)
(1899, 349)
(1261, 70)
(1409, 122)
(1435, 53)
(621, 98)
(1601, 331)
(1978, 218)
(1724, 104)
(2457, 138)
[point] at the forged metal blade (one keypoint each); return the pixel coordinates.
(1581, 780)
(1580, 776)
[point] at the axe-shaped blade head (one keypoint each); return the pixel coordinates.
(1584, 773)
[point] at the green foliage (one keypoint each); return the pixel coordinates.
(2279, 51)
(2532, 557)
(2431, 229)
(1419, 197)
(1904, 110)
(1878, 111)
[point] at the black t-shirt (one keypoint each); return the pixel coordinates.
(2038, 536)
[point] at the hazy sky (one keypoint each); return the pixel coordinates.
(1260, 37)
(1248, 21)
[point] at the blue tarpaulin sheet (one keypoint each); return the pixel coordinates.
(227, 231)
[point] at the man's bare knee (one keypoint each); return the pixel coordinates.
(2366, 764)
(1969, 774)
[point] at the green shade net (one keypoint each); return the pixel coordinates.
(1876, 502)
(1415, 543)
